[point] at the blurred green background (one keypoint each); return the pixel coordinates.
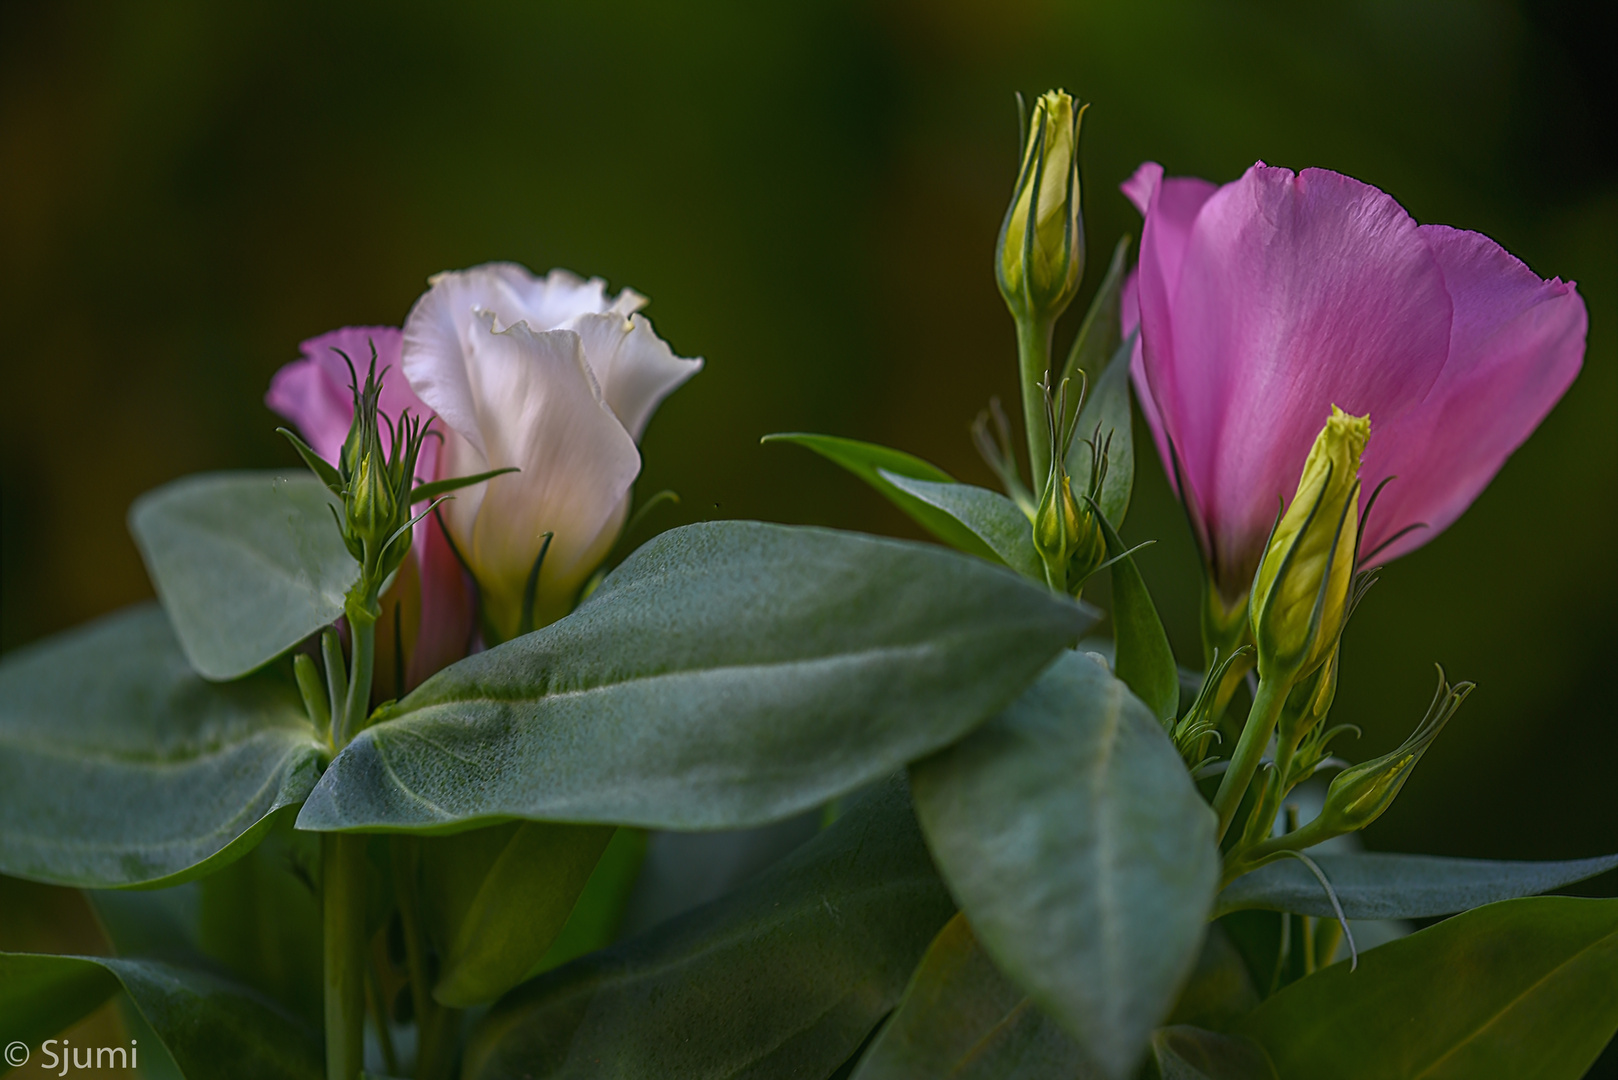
(809, 192)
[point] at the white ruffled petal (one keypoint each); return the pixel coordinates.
(539, 409)
(635, 368)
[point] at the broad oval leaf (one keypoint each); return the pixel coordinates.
(497, 898)
(783, 978)
(868, 460)
(1074, 840)
(991, 516)
(1378, 885)
(120, 766)
(727, 674)
(247, 564)
(961, 1019)
(1514, 989)
(1188, 1053)
(212, 1027)
(1143, 658)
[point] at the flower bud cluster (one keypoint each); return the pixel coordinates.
(1066, 533)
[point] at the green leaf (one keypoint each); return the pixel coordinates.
(247, 564)
(961, 1019)
(1099, 334)
(1188, 1053)
(428, 492)
(120, 766)
(1077, 845)
(991, 516)
(212, 1027)
(783, 978)
(1376, 885)
(599, 913)
(868, 460)
(1514, 989)
(1219, 989)
(1144, 660)
(727, 674)
(1105, 421)
(497, 898)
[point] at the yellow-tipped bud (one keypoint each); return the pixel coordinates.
(1067, 537)
(1300, 594)
(1041, 251)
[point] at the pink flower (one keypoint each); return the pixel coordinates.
(1263, 303)
(313, 393)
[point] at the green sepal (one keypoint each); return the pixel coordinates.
(1144, 660)
(324, 471)
(424, 492)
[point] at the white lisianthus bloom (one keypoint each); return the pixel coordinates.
(553, 376)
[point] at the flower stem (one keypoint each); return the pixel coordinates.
(1272, 694)
(435, 1024)
(1033, 363)
(343, 916)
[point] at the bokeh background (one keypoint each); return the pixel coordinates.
(809, 192)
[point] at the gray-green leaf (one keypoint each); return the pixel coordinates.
(1143, 658)
(1078, 847)
(1188, 1053)
(783, 978)
(120, 766)
(868, 460)
(1377, 885)
(991, 516)
(211, 1027)
(727, 674)
(961, 1019)
(1514, 989)
(247, 564)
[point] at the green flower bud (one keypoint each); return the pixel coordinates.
(1360, 793)
(1041, 249)
(1300, 596)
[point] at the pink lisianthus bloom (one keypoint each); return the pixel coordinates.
(1263, 303)
(430, 598)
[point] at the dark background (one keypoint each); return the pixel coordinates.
(809, 192)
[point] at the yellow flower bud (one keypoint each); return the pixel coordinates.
(1300, 594)
(1041, 251)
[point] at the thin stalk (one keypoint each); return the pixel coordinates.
(343, 918)
(357, 705)
(406, 865)
(1034, 362)
(1261, 720)
(379, 1016)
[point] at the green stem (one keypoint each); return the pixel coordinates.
(435, 1025)
(1261, 720)
(1034, 361)
(357, 705)
(343, 916)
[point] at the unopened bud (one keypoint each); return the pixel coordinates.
(1301, 592)
(1041, 250)
(1360, 793)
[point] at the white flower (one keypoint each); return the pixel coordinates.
(553, 376)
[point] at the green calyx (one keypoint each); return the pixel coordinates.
(1066, 533)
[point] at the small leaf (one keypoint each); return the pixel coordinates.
(1105, 422)
(498, 897)
(727, 674)
(247, 564)
(120, 766)
(991, 516)
(599, 912)
(1099, 334)
(867, 461)
(428, 492)
(961, 1019)
(1144, 660)
(1081, 852)
(1514, 989)
(784, 977)
(1378, 885)
(1188, 1053)
(212, 1027)
(324, 471)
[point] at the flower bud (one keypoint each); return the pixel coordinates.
(1300, 595)
(1067, 537)
(1360, 793)
(1041, 249)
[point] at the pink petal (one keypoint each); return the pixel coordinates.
(318, 409)
(447, 605)
(1515, 346)
(1296, 292)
